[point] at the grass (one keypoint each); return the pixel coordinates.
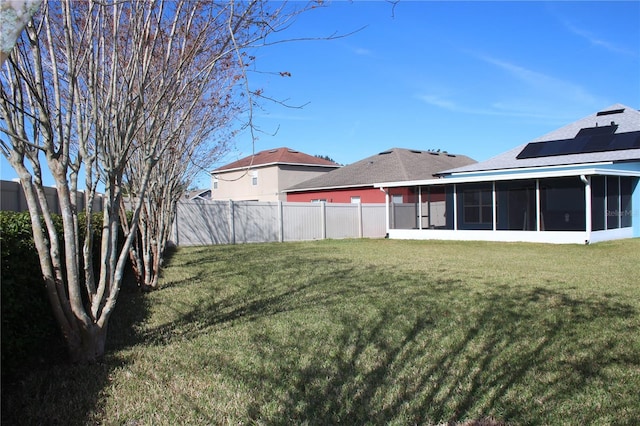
(364, 332)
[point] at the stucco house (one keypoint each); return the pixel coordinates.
(354, 183)
(577, 184)
(264, 175)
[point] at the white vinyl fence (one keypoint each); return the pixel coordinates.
(202, 222)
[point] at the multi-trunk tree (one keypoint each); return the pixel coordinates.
(113, 94)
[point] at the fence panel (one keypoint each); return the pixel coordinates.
(12, 198)
(202, 223)
(302, 221)
(374, 221)
(255, 222)
(342, 221)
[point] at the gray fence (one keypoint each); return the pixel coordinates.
(12, 198)
(201, 222)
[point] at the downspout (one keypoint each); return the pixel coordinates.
(587, 203)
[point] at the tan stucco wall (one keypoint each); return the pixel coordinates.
(272, 180)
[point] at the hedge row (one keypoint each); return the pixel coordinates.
(29, 331)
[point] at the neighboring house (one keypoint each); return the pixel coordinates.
(197, 194)
(264, 176)
(578, 184)
(355, 183)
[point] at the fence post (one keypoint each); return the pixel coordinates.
(176, 228)
(280, 221)
(232, 226)
(360, 221)
(323, 219)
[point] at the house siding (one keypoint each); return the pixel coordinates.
(237, 185)
(367, 195)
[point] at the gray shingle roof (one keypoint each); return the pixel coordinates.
(627, 120)
(396, 164)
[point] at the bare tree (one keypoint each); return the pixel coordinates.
(90, 86)
(196, 124)
(14, 15)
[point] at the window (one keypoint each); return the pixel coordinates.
(215, 182)
(319, 200)
(254, 178)
(355, 200)
(397, 199)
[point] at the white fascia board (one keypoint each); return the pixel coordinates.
(328, 188)
(516, 170)
(504, 176)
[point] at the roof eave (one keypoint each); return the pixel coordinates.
(326, 188)
(504, 175)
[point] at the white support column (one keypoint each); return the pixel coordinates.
(419, 207)
(387, 216)
(538, 212)
(494, 206)
(455, 207)
(587, 203)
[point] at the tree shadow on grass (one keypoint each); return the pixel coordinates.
(493, 368)
(439, 353)
(60, 393)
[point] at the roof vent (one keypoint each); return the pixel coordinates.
(272, 151)
(610, 112)
(385, 152)
(415, 151)
(450, 155)
(293, 151)
(434, 153)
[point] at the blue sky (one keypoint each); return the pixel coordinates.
(472, 78)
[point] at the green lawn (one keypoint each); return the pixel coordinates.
(365, 332)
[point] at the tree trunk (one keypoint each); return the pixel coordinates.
(87, 347)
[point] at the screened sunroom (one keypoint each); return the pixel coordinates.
(577, 184)
(580, 208)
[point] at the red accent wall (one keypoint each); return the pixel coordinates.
(367, 195)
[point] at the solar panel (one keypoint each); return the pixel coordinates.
(586, 141)
(610, 112)
(598, 130)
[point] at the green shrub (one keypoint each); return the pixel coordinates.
(28, 327)
(29, 331)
